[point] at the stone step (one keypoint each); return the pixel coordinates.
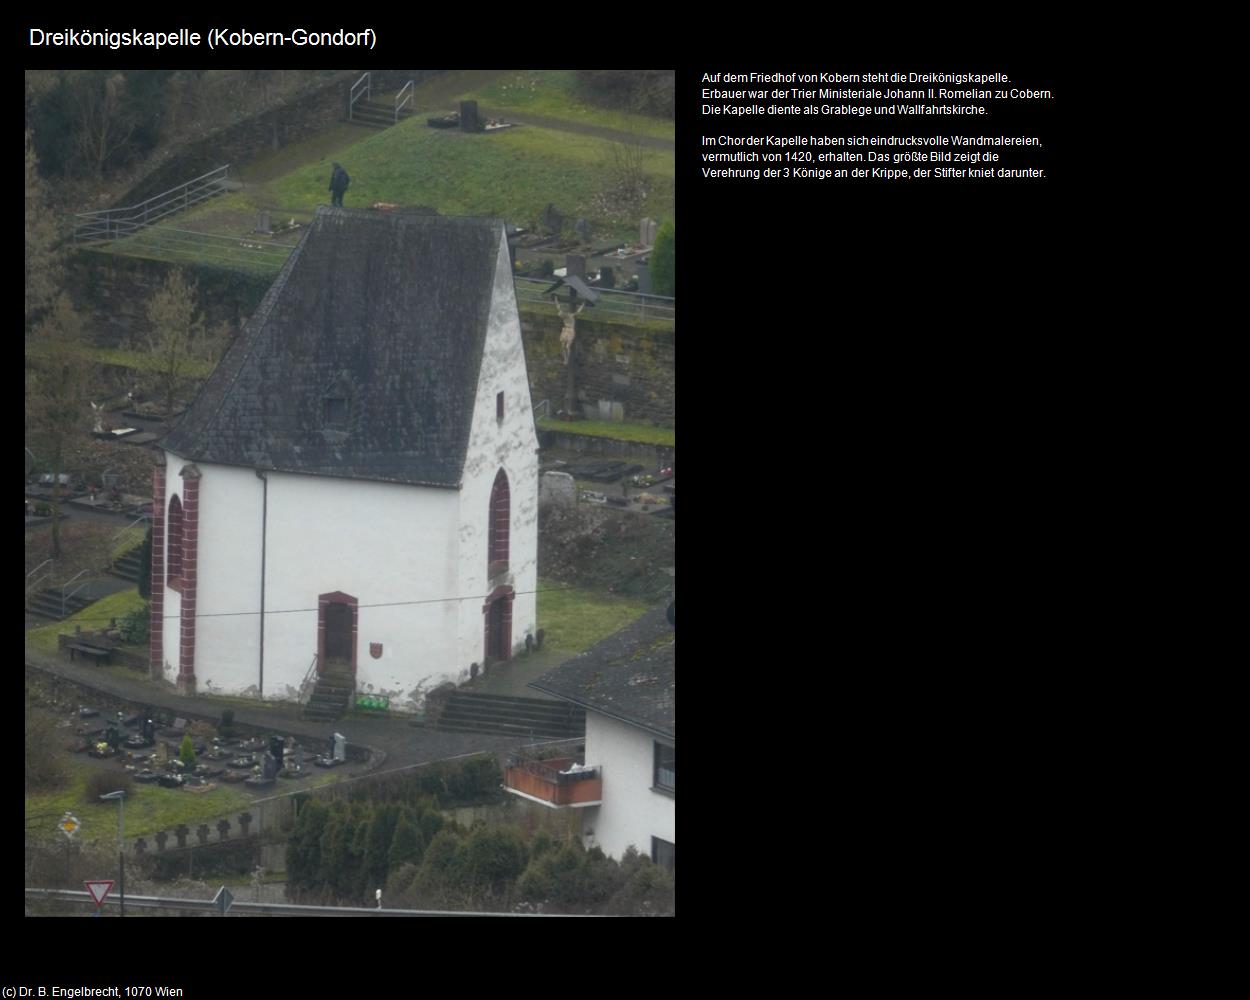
(485, 714)
(505, 729)
(485, 698)
(47, 604)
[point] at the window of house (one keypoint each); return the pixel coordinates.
(497, 527)
(499, 406)
(173, 547)
(665, 775)
(664, 853)
(336, 411)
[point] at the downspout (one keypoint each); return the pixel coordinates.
(264, 526)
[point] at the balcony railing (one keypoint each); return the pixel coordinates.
(558, 782)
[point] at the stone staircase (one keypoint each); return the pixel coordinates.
(47, 604)
(379, 112)
(129, 565)
(505, 715)
(332, 696)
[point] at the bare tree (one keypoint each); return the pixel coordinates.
(56, 393)
(178, 341)
(104, 125)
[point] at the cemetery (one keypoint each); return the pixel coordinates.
(597, 350)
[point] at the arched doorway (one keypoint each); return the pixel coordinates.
(337, 626)
(498, 612)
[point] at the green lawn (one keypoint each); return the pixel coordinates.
(552, 92)
(512, 175)
(575, 619)
(136, 360)
(149, 808)
(606, 429)
(93, 616)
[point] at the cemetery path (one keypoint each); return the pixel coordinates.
(400, 742)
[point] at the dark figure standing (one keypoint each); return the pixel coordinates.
(338, 184)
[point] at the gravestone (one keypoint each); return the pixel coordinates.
(181, 833)
(245, 821)
(141, 846)
(268, 767)
(201, 833)
(160, 840)
(469, 121)
(647, 229)
(262, 223)
(340, 747)
(582, 228)
(575, 264)
(607, 277)
(558, 488)
(223, 829)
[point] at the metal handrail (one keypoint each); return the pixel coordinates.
(64, 596)
(109, 223)
(49, 563)
(545, 406)
(306, 688)
(400, 100)
(538, 769)
(355, 96)
(611, 300)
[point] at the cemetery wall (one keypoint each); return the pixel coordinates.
(112, 293)
(300, 118)
(625, 373)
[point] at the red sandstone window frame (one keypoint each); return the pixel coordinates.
(173, 544)
(498, 526)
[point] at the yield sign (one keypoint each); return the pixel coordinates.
(99, 890)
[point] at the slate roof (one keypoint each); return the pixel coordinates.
(630, 676)
(384, 309)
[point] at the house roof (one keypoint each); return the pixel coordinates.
(630, 676)
(387, 311)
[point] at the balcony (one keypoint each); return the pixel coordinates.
(555, 782)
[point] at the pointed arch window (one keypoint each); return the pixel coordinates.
(173, 549)
(497, 529)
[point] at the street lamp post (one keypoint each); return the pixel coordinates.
(121, 857)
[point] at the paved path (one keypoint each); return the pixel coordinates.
(401, 742)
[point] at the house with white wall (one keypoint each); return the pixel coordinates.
(625, 786)
(355, 487)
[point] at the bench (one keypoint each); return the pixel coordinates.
(97, 653)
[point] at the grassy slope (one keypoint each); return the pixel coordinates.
(575, 619)
(551, 92)
(92, 616)
(149, 808)
(617, 432)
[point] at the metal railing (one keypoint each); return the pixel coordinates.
(114, 223)
(542, 770)
(361, 88)
(401, 100)
(612, 303)
(64, 596)
(184, 244)
(545, 406)
(46, 566)
(309, 683)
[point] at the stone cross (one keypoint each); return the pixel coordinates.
(160, 840)
(223, 828)
(181, 833)
(245, 820)
(201, 832)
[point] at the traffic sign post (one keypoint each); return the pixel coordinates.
(223, 899)
(99, 889)
(69, 825)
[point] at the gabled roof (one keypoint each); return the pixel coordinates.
(385, 310)
(630, 676)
